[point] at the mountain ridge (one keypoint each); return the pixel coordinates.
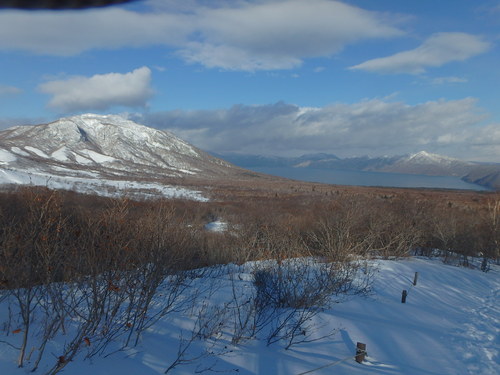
(423, 162)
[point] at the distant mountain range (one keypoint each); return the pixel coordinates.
(422, 163)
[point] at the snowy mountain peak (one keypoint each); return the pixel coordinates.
(99, 129)
(424, 157)
(426, 163)
(95, 139)
(93, 123)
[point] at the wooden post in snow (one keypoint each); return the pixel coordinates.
(360, 352)
(403, 296)
(415, 279)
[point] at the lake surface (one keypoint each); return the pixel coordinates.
(358, 178)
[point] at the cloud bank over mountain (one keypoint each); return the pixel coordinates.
(373, 127)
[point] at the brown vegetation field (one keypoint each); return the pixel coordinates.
(57, 235)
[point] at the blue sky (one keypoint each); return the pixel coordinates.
(282, 77)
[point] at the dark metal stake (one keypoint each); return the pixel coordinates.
(403, 296)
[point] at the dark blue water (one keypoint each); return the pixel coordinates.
(358, 178)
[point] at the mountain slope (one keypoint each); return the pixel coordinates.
(486, 176)
(99, 147)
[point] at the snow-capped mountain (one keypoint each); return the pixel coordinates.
(96, 147)
(484, 174)
(429, 164)
(424, 157)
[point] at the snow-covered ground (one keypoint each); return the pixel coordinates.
(94, 184)
(449, 325)
(216, 226)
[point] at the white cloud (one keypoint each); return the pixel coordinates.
(444, 80)
(100, 91)
(439, 49)
(69, 33)
(280, 34)
(9, 90)
(494, 8)
(485, 143)
(233, 58)
(372, 127)
(233, 35)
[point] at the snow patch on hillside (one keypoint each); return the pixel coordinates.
(60, 154)
(37, 151)
(97, 157)
(18, 151)
(81, 160)
(93, 184)
(6, 157)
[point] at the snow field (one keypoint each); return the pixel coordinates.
(99, 186)
(6, 157)
(449, 325)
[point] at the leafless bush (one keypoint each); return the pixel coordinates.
(341, 232)
(290, 293)
(208, 325)
(112, 265)
(490, 231)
